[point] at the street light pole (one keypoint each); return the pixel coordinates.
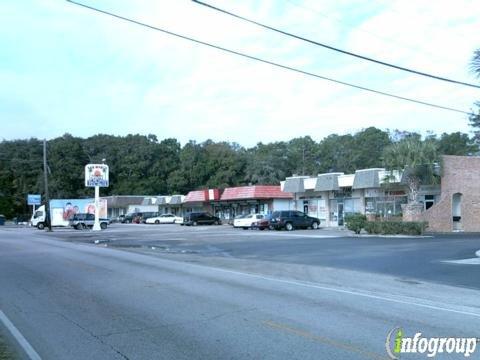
(47, 197)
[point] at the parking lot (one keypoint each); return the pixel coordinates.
(445, 259)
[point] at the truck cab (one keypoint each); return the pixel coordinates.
(38, 218)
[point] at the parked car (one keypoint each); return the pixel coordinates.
(201, 218)
(247, 221)
(21, 219)
(83, 221)
(148, 215)
(263, 223)
(165, 219)
(138, 217)
(129, 218)
(290, 220)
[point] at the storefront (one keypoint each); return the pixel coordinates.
(332, 196)
(255, 199)
(172, 204)
(200, 201)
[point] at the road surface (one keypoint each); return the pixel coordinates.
(82, 301)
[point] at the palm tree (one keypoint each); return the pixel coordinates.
(475, 118)
(417, 160)
(475, 63)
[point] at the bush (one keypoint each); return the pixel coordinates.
(355, 222)
(395, 227)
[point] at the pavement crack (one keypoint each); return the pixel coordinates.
(179, 323)
(97, 337)
(228, 313)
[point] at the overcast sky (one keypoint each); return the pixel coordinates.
(64, 68)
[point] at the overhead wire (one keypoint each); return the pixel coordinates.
(285, 67)
(388, 40)
(366, 58)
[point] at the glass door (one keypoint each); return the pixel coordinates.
(340, 214)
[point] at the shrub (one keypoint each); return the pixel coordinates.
(355, 222)
(396, 227)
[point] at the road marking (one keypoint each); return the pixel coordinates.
(344, 291)
(29, 350)
(322, 339)
(303, 284)
(472, 261)
(292, 235)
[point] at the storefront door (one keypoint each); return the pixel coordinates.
(340, 214)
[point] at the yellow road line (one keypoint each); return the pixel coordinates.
(323, 340)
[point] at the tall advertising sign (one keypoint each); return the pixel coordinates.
(96, 175)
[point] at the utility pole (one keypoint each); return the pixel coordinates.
(47, 197)
(303, 160)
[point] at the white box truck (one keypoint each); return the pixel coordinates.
(63, 210)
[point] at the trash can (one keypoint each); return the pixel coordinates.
(2, 220)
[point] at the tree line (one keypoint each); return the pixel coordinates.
(143, 165)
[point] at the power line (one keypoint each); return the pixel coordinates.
(433, 26)
(366, 58)
(268, 61)
(385, 39)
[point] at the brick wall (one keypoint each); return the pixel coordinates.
(460, 174)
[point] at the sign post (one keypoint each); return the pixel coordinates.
(34, 199)
(96, 175)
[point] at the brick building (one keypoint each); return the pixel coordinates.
(458, 208)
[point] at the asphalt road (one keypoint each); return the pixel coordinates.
(430, 258)
(75, 300)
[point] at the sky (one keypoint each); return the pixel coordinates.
(66, 69)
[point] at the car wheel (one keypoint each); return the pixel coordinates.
(40, 226)
(157, 222)
(288, 226)
(194, 223)
(261, 228)
(103, 226)
(315, 225)
(245, 228)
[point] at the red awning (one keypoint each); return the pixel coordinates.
(255, 192)
(202, 195)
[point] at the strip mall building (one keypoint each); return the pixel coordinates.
(451, 205)
(229, 202)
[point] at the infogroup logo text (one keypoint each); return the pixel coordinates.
(397, 343)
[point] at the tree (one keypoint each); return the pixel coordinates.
(336, 153)
(21, 173)
(456, 143)
(368, 146)
(475, 63)
(416, 159)
(267, 163)
(475, 118)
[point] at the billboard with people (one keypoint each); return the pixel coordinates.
(62, 210)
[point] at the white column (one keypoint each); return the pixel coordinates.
(96, 225)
